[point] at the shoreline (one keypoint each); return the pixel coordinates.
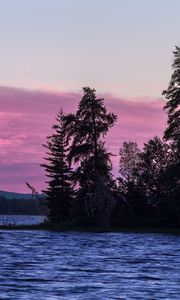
(63, 228)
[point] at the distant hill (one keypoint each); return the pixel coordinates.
(12, 195)
(23, 204)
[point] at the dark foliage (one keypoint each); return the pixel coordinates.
(59, 193)
(172, 132)
(81, 189)
(89, 157)
(172, 106)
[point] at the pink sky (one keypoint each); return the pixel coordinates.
(27, 117)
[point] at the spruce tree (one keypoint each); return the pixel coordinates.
(172, 132)
(91, 124)
(87, 129)
(172, 94)
(59, 193)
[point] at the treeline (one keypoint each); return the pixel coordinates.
(21, 206)
(81, 189)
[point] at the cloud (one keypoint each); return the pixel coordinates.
(15, 175)
(27, 118)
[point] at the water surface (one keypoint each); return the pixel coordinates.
(53, 265)
(20, 220)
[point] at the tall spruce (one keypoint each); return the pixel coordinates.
(59, 193)
(87, 129)
(172, 132)
(172, 106)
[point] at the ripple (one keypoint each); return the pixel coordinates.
(52, 265)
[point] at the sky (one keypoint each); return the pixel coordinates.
(50, 49)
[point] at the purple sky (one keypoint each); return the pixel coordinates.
(50, 49)
(27, 118)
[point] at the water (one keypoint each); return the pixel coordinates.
(88, 266)
(20, 220)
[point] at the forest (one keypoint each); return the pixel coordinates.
(81, 190)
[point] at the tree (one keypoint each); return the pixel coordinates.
(59, 193)
(143, 177)
(172, 132)
(129, 182)
(129, 160)
(154, 160)
(87, 129)
(144, 170)
(172, 94)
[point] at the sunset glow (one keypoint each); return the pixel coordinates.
(24, 128)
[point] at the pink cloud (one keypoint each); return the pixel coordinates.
(27, 118)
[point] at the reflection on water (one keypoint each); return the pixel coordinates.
(52, 265)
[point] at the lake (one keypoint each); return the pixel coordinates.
(20, 220)
(49, 265)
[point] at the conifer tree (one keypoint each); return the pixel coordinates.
(172, 132)
(59, 193)
(87, 129)
(172, 106)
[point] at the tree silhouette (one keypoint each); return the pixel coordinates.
(129, 161)
(172, 106)
(143, 176)
(59, 193)
(154, 160)
(87, 129)
(172, 132)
